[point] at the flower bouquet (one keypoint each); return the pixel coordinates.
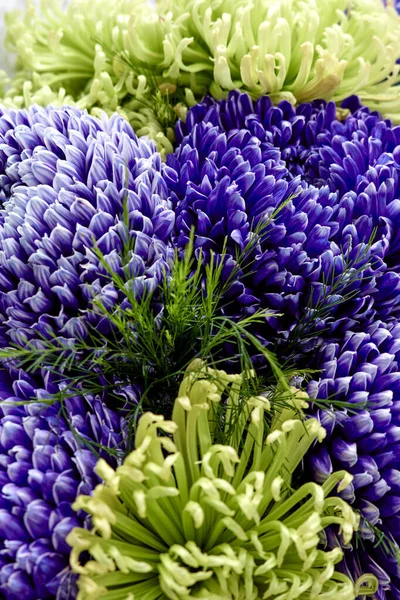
(200, 301)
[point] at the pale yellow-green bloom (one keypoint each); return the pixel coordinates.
(108, 54)
(192, 515)
(300, 50)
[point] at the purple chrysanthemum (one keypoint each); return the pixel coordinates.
(363, 371)
(47, 455)
(328, 261)
(70, 183)
(334, 187)
(314, 144)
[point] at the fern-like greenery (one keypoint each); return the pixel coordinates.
(153, 338)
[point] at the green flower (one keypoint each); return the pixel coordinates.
(119, 55)
(298, 50)
(186, 516)
(69, 57)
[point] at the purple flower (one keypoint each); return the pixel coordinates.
(47, 455)
(73, 183)
(327, 260)
(310, 203)
(323, 195)
(364, 438)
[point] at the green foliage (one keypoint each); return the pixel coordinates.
(389, 547)
(154, 337)
(337, 289)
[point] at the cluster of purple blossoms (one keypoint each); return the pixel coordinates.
(306, 208)
(321, 194)
(72, 187)
(47, 456)
(321, 197)
(362, 371)
(75, 186)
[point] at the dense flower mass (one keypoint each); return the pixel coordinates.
(270, 215)
(321, 194)
(73, 186)
(189, 517)
(47, 455)
(363, 372)
(304, 202)
(327, 189)
(291, 50)
(298, 51)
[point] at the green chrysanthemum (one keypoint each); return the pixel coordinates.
(188, 517)
(299, 50)
(117, 55)
(68, 57)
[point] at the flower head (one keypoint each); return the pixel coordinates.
(48, 55)
(362, 372)
(187, 516)
(73, 186)
(47, 455)
(307, 200)
(110, 68)
(298, 51)
(345, 167)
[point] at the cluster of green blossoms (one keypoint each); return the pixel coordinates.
(299, 50)
(76, 55)
(187, 516)
(129, 57)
